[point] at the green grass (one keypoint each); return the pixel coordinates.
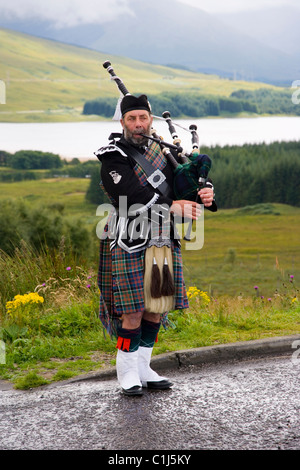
(243, 249)
(64, 338)
(50, 81)
(68, 192)
(227, 320)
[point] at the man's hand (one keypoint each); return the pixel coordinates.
(184, 208)
(207, 196)
(191, 209)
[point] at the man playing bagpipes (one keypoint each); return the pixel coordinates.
(140, 272)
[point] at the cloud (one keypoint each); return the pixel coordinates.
(64, 13)
(219, 6)
(67, 13)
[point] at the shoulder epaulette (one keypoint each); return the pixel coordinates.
(109, 148)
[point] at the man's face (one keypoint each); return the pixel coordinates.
(135, 123)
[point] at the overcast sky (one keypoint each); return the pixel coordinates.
(73, 12)
(219, 6)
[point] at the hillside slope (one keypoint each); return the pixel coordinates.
(260, 46)
(50, 81)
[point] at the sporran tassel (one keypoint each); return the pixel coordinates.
(167, 287)
(154, 300)
(155, 281)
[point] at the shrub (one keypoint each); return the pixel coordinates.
(41, 228)
(34, 160)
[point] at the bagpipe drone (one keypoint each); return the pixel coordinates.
(191, 174)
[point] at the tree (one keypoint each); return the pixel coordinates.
(101, 107)
(94, 194)
(9, 228)
(34, 160)
(4, 157)
(41, 228)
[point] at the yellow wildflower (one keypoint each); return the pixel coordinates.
(194, 292)
(23, 300)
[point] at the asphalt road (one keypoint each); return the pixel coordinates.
(248, 404)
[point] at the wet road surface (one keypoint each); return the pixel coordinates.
(247, 405)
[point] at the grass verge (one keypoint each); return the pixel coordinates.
(242, 286)
(61, 337)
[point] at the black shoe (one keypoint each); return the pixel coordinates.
(133, 391)
(160, 385)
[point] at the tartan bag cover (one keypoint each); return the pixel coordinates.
(186, 177)
(121, 274)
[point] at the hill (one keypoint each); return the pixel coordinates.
(275, 26)
(168, 32)
(50, 81)
(190, 37)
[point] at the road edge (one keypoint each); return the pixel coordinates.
(209, 354)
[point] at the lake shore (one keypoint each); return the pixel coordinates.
(82, 139)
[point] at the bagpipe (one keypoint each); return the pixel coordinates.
(190, 169)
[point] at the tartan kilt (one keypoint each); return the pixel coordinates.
(121, 284)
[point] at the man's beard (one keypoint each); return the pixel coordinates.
(140, 142)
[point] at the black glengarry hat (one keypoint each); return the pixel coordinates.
(130, 103)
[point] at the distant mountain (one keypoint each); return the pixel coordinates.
(170, 33)
(187, 36)
(48, 80)
(276, 27)
(82, 35)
